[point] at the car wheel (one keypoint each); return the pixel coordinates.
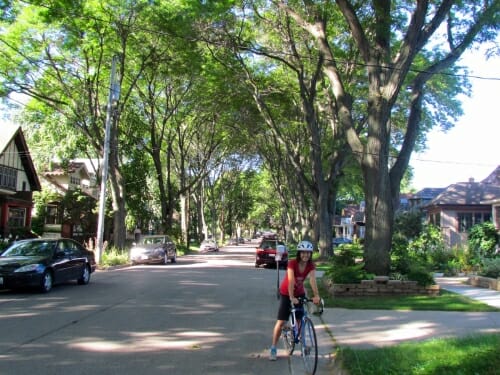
(174, 259)
(47, 282)
(85, 278)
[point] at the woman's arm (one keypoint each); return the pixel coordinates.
(314, 286)
(290, 273)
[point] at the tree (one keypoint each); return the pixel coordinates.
(395, 50)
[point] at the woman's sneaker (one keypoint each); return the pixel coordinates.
(273, 354)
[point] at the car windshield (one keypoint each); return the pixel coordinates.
(31, 248)
(270, 244)
(153, 240)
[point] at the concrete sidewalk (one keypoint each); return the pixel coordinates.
(368, 329)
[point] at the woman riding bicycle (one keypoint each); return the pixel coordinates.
(292, 287)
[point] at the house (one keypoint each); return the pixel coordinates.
(462, 205)
(18, 181)
(75, 219)
(423, 197)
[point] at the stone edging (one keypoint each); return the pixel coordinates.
(379, 287)
(484, 282)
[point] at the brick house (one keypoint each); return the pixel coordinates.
(462, 205)
(18, 181)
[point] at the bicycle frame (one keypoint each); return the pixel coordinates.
(302, 332)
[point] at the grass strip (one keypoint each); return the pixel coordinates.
(479, 354)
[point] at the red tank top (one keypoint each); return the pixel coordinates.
(299, 278)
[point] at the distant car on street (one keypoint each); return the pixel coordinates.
(337, 241)
(265, 253)
(208, 246)
(233, 242)
(41, 263)
(153, 249)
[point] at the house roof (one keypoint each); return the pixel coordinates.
(428, 193)
(13, 133)
(59, 170)
(467, 193)
(494, 177)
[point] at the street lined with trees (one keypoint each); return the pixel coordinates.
(243, 115)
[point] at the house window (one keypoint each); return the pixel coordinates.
(17, 217)
(435, 219)
(467, 220)
(74, 181)
(52, 216)
(8, 178)
(497, 217)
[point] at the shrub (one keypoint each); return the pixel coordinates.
(345, 268)
(490, 267)
(452, 267)
(421, 275)
(400, 257)
(429, 242)
(408, 224)
(483, 239)
(114, 257)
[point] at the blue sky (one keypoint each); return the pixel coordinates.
(472, 148)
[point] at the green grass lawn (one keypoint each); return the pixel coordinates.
(471, 355)
(457, 356)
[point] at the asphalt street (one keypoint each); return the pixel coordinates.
(208, 314)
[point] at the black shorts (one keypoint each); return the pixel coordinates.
(285, 308)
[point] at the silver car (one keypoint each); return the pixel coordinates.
(153, 249)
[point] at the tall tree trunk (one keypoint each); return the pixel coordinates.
(379, 220)
(118, 194)
(184, 202)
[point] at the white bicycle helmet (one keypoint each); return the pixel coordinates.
(305, 246)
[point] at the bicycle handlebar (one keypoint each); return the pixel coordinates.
(303, 300)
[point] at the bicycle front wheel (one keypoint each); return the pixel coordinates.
(288, 339)
(309, 346)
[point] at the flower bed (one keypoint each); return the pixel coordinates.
(379, 287)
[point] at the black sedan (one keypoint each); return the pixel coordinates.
(42, 263)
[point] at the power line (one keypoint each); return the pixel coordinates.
(263, 51)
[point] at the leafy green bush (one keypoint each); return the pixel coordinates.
(490, 267)
(345, 267)
(114, 257)
(348, 274)
(483, 239)
(400, 257)
(421, 275)
(465, 259)
(408, 225)
(452, 267)
(429, 243)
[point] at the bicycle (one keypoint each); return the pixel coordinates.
(303, 334)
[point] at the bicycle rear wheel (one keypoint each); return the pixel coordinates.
(309, 346)
(288, 340)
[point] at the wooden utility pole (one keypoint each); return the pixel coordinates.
(114, 94)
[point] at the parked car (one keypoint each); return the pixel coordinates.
(209, 245)
(153, 249)
(341, 241)
(233, 242)
(265, 253)
(42, 263)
